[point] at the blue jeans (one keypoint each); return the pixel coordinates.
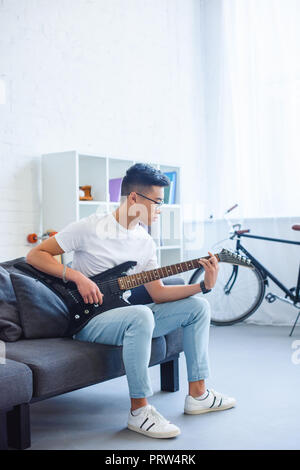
(134, 326)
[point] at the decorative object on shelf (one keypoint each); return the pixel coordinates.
(87, 193)
(33, 237)
(115, 189)
(170, 191)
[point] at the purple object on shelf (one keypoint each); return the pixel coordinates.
(115, 189)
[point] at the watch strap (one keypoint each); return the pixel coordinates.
(203, 288)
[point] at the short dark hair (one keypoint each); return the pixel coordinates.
(141, 175)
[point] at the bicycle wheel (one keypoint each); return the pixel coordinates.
(237, 294)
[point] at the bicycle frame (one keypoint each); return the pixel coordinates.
(295, 298)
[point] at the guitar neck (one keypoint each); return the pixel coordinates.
(135, 280)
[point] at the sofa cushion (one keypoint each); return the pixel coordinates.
(42, 313)
(10, 325)
(9, 265)
(15, 384)
(174, 342)
(63, 364)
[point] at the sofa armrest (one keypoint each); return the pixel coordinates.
(15, 394)
(15, 384)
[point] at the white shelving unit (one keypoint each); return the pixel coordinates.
(64, 172)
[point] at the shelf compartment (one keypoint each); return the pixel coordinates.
(117, 169)
(93, 172)
(86, 210)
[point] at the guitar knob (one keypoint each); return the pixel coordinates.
(86, 311)
(77, 317)
(96, 305)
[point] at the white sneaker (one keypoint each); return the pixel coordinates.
(214, 401)
(151, 423)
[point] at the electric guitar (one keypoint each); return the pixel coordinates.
(113, 283)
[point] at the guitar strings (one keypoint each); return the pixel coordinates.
(104, 282)
(110, 281)
(115, 280)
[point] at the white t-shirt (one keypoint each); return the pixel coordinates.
(99, 243)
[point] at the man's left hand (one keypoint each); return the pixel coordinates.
(211, 267)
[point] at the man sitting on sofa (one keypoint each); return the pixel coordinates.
(100, 242)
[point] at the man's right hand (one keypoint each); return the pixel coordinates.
(89, 290)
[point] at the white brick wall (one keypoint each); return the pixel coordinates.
(118, 77)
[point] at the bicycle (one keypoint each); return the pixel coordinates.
(239, 292)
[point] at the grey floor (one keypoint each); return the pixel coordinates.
(251, 362)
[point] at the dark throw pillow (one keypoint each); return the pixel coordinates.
(42, 313)
(10, 325)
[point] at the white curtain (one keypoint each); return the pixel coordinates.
(251, 51)
(250, 58)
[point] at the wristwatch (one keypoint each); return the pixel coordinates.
(203, 288)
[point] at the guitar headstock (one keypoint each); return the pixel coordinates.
(227, 256)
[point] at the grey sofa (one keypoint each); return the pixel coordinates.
(37, 369)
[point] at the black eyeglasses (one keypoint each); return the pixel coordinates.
(160, 203)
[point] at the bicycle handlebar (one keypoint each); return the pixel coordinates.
(240, 232)
(232, 227)
(231, 208)
(232, 230)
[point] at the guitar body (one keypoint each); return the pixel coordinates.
(80, 312)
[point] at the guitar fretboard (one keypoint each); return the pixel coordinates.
(135, 280)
